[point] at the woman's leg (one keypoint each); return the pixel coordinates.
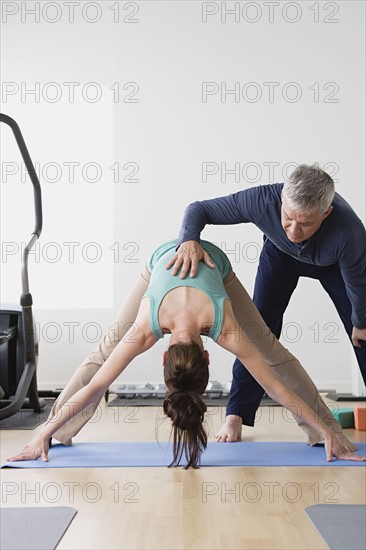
(286, 367)
(95, 360)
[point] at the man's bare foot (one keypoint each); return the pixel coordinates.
(230, 432)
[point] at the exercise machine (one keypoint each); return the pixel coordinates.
(18, 339)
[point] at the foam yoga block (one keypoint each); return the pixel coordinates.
(360, 418)
(345, 417)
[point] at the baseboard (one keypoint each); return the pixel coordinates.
(324, 387)
(335, 396)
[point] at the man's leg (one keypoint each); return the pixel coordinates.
(285, 366)
(95, 360)
(332, 281)
(275, 282)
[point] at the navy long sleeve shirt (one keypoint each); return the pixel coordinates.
(341, 238)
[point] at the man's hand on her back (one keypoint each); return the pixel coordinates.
(187, 256)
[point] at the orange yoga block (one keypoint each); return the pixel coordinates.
(360, 418)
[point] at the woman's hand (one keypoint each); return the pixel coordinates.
(335, 448)
(35, 449)
(188, 256)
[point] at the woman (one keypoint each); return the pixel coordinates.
(214, 304)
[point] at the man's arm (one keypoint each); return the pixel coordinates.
(352, 263)
(228, 210)
(232, 209)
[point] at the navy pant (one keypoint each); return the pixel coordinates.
(277, 277)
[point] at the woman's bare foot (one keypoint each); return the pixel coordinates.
(341, 440)
(230, 431)
(347, 444)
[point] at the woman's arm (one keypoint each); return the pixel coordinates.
(134, 343)
(234, 339)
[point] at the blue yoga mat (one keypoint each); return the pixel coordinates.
(244, 453)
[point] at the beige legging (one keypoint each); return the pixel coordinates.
(286, 367)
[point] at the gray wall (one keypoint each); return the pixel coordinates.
(139, 108)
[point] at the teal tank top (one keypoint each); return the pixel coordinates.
(207, 279)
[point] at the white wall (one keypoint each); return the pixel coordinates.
(139, 102)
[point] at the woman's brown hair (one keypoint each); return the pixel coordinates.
(186, 376)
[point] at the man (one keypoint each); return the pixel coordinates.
(309, 231)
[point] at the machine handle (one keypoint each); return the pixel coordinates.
(32, 173)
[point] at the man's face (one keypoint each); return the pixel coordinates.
(300, 226)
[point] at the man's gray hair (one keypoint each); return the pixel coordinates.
(309, 188)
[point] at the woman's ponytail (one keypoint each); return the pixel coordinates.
(186, 410)
(186, 376)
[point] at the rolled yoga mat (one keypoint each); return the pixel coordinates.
(244, 453)
(340, 525)
(34, 528)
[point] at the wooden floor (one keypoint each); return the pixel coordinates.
(160, 508)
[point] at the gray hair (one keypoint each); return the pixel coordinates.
(309, 188)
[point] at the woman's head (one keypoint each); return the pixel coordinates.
(186, 377)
